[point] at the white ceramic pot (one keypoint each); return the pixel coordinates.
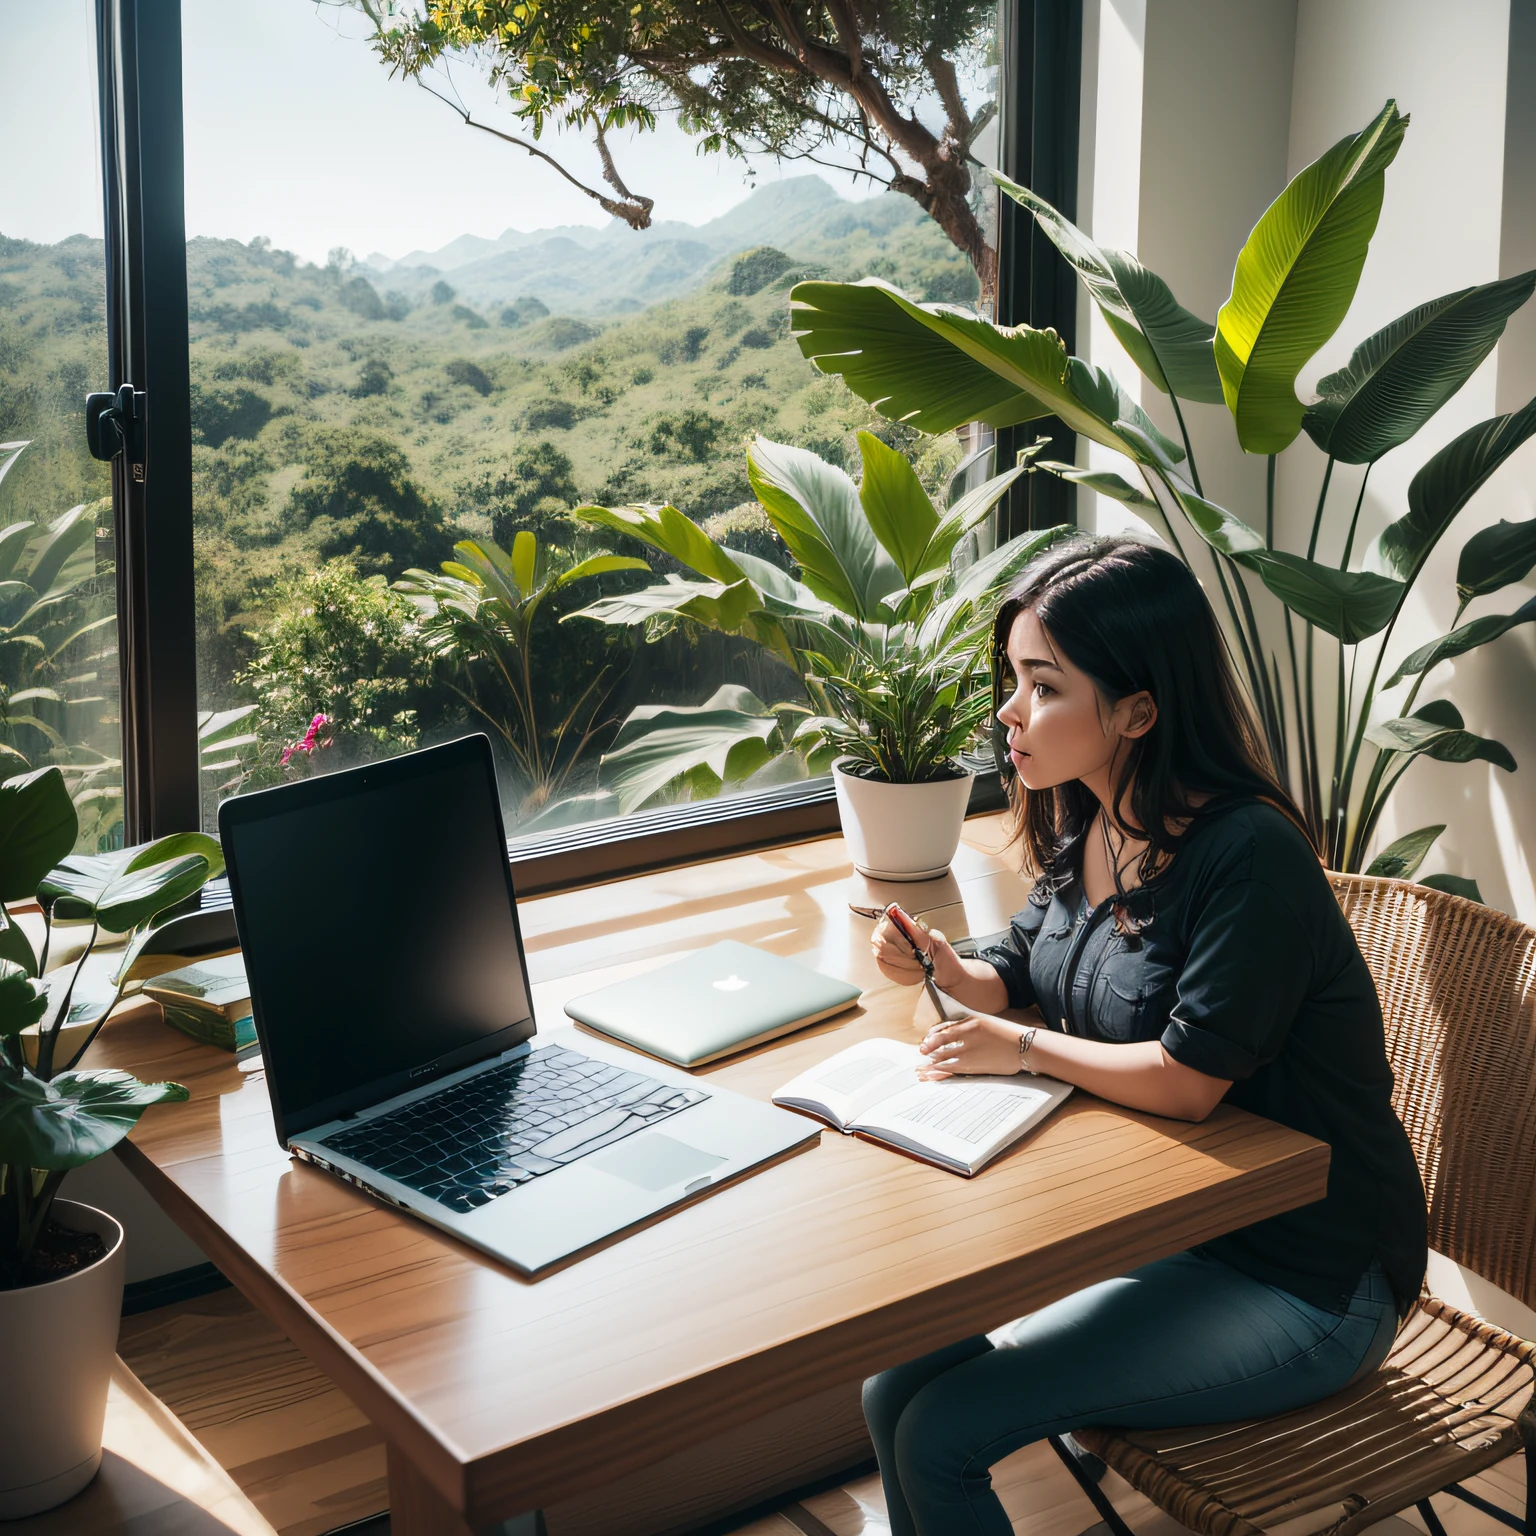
(901, 831)
(58, 1340)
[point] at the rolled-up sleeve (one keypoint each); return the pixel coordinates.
(1011, 959)
(1249, 966)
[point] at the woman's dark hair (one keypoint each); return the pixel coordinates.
(1133, 617)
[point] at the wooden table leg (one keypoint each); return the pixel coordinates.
(416, 1508)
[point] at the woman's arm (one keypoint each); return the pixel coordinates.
(1141, 1075)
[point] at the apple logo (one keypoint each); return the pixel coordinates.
(731, 983)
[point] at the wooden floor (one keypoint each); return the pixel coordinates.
(310, 1462)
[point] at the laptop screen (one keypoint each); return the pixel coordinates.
(376, 915)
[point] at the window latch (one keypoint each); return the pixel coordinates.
(114, 424)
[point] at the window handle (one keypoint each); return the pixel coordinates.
(114, 424)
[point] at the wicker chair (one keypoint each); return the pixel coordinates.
(1458, 991)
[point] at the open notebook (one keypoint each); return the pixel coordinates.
(959, 1123)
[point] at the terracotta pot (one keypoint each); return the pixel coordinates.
(58, 1341)
(901, 831)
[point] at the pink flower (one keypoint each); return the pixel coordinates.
(310, 741)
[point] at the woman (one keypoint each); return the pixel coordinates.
(1182, 947)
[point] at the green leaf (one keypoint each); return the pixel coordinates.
(1167, 342)
(1105, 482)
(938, 368)
(732, 735)
(1494, 557)
(524, 553)
(9, 453)
(14, 539)
(1454, 885)
(726, 609)
(73, 1119)
(896, 506)
(1437, 731)
(119, 892)
(1222, 530)
(600, 565)
(1295, 279)
(1350, 605)
(178, 845)
(1459, 641)
(815, 509)
(1399, 860)
(1398, 378)
(15, 946)
(1446, 483)
(23, 999)
(38, 827)
(66, 534)
(667, 529)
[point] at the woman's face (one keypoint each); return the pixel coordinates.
(1060, 727)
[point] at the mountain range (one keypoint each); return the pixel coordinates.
(612, 269)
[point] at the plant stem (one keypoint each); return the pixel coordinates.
(1340, 726)
(1269, 504)
(1349, 543)
(1189, 451)
(42, 964)
(1317, 516)
(48, 1038)
(1304, 743)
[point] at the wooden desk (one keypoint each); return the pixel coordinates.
(499, 1395)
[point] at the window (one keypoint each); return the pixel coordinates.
(59, 696)
(407, 333)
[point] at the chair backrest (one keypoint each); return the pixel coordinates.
(1458, 994)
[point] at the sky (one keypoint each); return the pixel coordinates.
(295, 131)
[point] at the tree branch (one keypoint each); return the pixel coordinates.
(635, 211)
(614, 180)
(942, 72)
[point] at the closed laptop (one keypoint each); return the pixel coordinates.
(722, 999)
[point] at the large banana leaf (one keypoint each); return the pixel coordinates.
(732, 734)
(1446, 483)
(73, 1119)
(1494, 557)
(815, 508)
(1168, 343)
(896, 506)
(38, 827)
(1468, 637)
(1295, 279)
(938, 367)
(66, 534)
(1398, 378)
(726, 609)
(1437, 730)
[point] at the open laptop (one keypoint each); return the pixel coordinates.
(390, 993)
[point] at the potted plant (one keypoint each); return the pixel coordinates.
(61, 1263)
(886, 628)
(1311, 631)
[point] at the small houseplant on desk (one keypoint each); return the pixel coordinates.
(886, 627)
(61, 1263)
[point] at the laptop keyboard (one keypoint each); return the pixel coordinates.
(485, 1136)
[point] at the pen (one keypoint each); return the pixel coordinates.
(908, 930)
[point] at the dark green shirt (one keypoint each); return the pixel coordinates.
(1239, 960)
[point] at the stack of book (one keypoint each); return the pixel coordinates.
(210, 1000)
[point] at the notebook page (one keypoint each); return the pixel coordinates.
(963, 1121)
(851, 1082)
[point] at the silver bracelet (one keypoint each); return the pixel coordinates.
(1026, 1039)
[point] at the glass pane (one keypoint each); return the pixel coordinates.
(58, 603)
(408, 333)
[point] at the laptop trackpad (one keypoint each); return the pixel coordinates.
(654, 1161)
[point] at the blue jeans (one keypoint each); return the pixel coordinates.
(1187, 1340)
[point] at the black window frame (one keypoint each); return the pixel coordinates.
(148, 328)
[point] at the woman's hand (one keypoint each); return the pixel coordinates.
(897, 962)
(969, 1047)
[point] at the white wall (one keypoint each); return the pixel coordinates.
(1236, 96)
